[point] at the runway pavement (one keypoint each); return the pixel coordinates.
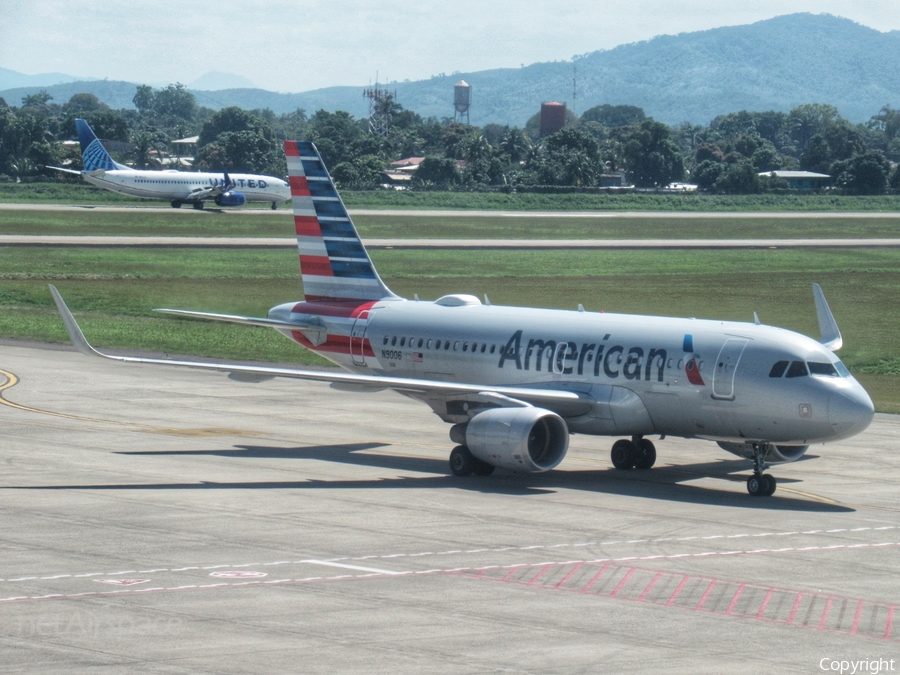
(166, 520)
(443, 213)
(467, 244)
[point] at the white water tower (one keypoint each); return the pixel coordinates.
(462, 97)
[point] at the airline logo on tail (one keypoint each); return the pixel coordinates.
(93, 154)
(333, 262)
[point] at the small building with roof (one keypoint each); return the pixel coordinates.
(800, 180)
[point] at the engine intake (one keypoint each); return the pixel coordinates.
(777, 454)
(520, 439)
(231, 199)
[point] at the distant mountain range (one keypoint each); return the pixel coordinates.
(775, 64)
(10, 79)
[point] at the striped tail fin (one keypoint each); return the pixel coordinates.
(333, 261)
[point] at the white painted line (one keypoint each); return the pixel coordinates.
(358, 568)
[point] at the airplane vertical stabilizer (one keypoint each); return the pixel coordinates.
(93, 155)
(333, 261)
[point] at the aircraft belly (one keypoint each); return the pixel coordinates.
(616, 410)
(668, 414)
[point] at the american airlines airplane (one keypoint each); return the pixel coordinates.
(514, 382)
(179, 187)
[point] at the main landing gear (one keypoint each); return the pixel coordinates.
(761, 484)
(638, 453)
(464, 463)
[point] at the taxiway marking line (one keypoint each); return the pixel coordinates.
(12, 380)
(347, 560)
(358, 568)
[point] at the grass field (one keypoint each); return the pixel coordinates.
(186, 222)
(114, 290)
(80, 193)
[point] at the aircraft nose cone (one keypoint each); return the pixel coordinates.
(850, 411)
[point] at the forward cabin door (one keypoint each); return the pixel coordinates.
(726, 367)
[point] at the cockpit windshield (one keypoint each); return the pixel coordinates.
(797, 369)
(824, 369)
(802, 369)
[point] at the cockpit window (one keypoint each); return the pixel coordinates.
(824, 369)
(797, 369)
(778, 369)
(842, 369)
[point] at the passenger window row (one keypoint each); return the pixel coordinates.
(446, 345)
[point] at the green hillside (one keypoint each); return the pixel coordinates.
(775, 64)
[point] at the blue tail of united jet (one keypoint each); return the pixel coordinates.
(93, 155)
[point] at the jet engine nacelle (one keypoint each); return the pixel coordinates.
(777, 454)
(519, 439)
(230, 199)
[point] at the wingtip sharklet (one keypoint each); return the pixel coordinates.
(828, 328)
(75, 335)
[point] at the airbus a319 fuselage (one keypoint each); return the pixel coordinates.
(515, 382)
(640, 375)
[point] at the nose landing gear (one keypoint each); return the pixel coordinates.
(761, 484)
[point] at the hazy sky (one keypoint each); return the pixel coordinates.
(298, 45)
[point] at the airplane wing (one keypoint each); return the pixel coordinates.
(211, 191)
(505, 396)
(206, 192)
(59, 168)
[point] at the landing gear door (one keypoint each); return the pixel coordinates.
(726, 367)
(358, 338)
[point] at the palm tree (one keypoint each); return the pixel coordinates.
(477, 147)
(516, 145)
(579, 169)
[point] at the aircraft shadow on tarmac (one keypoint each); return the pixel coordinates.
(663, 482)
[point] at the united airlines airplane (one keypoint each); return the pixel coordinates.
(514, 383)
(179, 187)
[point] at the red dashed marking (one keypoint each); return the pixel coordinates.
(238, 574)
(122, 582)
(734, 599)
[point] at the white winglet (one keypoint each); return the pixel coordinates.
(75, 334)
(828, 328)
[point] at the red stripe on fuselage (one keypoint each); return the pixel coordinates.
(349, 310)
(307, 226)
(335, 300)
(299, 186)
(335, 344)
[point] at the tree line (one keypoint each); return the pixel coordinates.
(726, 156)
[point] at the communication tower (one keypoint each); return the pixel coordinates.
(462, 97)
(379, 109)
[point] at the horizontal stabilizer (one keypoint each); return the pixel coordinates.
(316, 332)
(59, 168)
(828, 328)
